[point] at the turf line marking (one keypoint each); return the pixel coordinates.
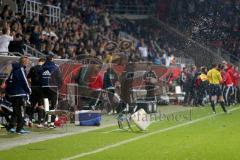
(114, 130)
(143, 136)
(118, 129)
(156, 121)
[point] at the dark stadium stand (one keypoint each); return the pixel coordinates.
(73, 28)
(213, 22)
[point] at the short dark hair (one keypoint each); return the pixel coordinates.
(18, 35)
(220, 66)
(149, 64)
(203, 69)
(4, 30)
(41, 60)
(50, 57)
(214, 65)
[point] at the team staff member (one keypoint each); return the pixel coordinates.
(235, 78)
(5, 108)
(18, 91)
(228, 90)
(95, 83)
(150, 78)
(215, 79)
(51, 81)
(36, 97)
(203, 85)
(110, 79)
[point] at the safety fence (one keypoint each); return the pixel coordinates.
(33, 8)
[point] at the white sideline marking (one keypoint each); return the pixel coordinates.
(114, 130)
(118, 129)
(142, 136)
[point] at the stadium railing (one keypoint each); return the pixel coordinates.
(32, 51)
(4, 59)
(130, 9)
(33, 8)
(54, 13)
(184, 61)
(10, 54)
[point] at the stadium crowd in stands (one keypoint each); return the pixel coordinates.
(216, 22)
(84, 30)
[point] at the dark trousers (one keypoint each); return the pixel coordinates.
(6, 113)
(237, 92)
(111, 104)
(201, 94)
(150, 92)
(51, 94)
(228, 94)
(18, 113)
(36, 98)
(41, 115)
(189, 96)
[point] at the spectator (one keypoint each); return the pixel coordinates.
(35, 37)
(5, 39)
(6, 12)
(168, 60)
(17, 45)
(143, 50)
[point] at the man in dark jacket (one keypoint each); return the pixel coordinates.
(36, 98)
(17, 44)
(150, 79)
(51, 81)
(18, 92)
(109, 80)
(189, 89)
(183, 79)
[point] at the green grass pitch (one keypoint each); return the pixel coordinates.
(208, 137)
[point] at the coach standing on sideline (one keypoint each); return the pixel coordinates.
(18, 92)
(215, 79)
(51, 81)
